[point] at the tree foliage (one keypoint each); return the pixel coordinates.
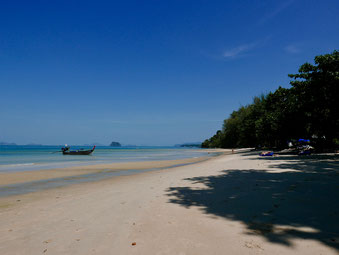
(308, 109)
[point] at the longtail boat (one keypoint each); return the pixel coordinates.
(66, 151)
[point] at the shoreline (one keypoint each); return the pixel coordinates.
(15, 183)
(117, 172)
(30, 160)
(239, 203)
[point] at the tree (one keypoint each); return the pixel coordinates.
(317, 89)
(310, 108)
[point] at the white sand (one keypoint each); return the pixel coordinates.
(164, 213)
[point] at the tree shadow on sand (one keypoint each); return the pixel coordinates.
(300, 203)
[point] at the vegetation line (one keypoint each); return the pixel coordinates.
(308, 109)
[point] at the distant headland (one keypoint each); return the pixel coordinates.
(198, 144)
(4, 143)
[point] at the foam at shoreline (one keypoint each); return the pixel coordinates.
(25, 158)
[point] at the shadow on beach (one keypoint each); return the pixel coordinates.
(300, 203)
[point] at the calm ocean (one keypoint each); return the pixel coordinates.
(24, 158)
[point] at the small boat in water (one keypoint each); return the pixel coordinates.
(66, 151)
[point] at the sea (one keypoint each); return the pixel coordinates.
(14, 158)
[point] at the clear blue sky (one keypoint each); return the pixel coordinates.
(148, 72)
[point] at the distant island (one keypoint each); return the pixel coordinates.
(4, 143)
(115, 144)
(198, 145)
(92, 144)
(14, 144)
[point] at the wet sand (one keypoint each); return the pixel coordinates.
(8, 178)
(231, 204)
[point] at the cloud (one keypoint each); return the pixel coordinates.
(284, 5)
(231, 53)
(293, 49)
(243, 48)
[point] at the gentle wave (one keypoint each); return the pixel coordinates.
(16, 165)
(21, 158)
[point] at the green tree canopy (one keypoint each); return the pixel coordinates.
(308, 109)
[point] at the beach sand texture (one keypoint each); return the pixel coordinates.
(231, 204)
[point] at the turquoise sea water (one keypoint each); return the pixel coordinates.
(24, 158)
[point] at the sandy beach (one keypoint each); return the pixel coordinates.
(231, 204)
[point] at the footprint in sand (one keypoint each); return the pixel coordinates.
(252, 245)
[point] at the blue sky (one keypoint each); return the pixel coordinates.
(148, 72)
